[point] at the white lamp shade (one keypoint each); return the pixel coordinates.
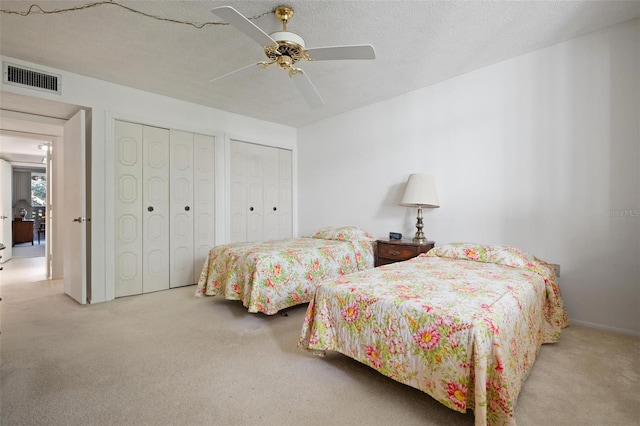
(420, 192)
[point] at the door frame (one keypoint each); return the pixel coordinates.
(33, 122)
(6, 236)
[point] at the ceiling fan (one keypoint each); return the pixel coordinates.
(285, 49)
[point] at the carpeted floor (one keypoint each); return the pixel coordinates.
(37, 249)
(169, 358)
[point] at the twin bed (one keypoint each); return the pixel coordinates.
(463, 323)
(272, 275)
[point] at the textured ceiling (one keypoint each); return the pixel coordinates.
(418, 43)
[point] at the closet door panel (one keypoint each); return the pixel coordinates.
(285, 191)
(181, 242)
(204, 200)
(128, 209)
(155, 191)
(270, 159)
(254, 213)
(255, 193)
(238, 180)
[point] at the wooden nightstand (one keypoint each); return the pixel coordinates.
(391, 251)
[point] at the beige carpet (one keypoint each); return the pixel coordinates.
(169, 358)
(29, 250)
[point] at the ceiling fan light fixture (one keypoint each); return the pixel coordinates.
(284, 62)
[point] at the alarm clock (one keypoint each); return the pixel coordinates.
(395, 236)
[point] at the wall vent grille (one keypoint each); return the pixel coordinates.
(33, 79)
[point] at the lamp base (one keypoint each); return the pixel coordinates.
(420, 240)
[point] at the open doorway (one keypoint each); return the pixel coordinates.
(26, 144)
(29, 115)
(29, 198)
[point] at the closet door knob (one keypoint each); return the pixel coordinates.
(187, 208)
(150, 208)
(250, 209)
(274, 209)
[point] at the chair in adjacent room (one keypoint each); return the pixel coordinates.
(41, 230)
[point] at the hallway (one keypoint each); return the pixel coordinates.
(37, 249)
(22, 270)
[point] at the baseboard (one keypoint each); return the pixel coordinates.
(625, 331)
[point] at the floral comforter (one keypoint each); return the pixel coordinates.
(463, 323)
(273, 275)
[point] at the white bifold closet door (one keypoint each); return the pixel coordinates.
(192, 205)
(203, 201)
(141, 209)
(155, 209)
(164, 207)
(285, 192)
(260, 192)
(278, 186)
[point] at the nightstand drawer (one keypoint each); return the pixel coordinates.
(397, 252)
(391, 251)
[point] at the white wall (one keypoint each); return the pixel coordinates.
(109, 101)
(540, 152)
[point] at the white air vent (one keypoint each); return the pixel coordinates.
(33, 79)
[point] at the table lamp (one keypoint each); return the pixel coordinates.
(421, 193)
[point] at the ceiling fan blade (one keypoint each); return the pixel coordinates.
(239, 71)
(241, 23)
(307, 90)
(360, 51)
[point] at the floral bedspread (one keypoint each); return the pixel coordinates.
(273, 275)
(460, 328)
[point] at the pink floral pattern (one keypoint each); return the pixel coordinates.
(491, 253)
(465, 332)
(273, 275)
(343, 233)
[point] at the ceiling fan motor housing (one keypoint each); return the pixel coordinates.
(289, 44)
